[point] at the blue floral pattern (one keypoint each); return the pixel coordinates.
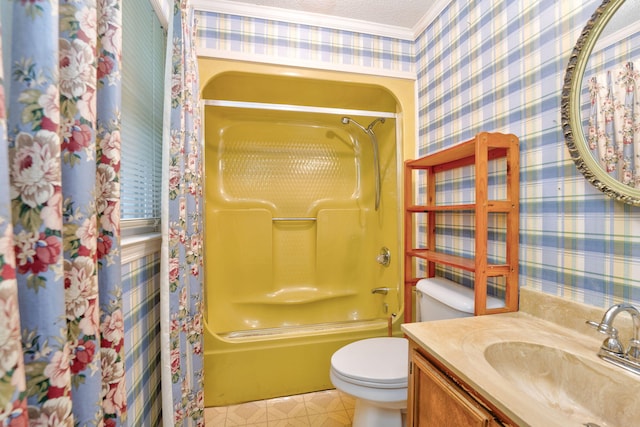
(183, 220)
(13, 403)
(59, 230)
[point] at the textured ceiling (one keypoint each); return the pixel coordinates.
(397, 13)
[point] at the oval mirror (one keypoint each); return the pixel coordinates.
(601, 101)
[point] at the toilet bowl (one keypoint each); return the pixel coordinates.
(375, 372)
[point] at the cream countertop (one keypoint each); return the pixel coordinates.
(460, 344)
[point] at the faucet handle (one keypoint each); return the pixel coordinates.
(384, 257)
(602, 327)
(611, 343)
(593, 324)
(633, 351)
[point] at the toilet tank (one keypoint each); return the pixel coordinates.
(439, 298)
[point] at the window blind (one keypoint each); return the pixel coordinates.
(143, 53)
(6, 13)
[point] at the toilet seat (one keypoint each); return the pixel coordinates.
(374, 362)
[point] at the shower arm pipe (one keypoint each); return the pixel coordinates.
(297, 108)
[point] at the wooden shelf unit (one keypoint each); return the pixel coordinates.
(477, 151)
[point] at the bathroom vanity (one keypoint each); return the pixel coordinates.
(438, 397)
(515, 369)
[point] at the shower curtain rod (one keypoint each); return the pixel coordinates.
(297, 108)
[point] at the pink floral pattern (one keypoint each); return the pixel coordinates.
(61, 328)
(183, 262)
(613, 128)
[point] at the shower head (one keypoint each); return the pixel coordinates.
(373, 123)
(347, 120)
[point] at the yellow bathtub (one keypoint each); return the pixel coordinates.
(294, 241)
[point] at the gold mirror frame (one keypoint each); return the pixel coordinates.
(571, 120)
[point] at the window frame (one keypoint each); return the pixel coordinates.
(141, 236)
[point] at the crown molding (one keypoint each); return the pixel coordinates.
(615, 37)
(302, 63)
(304, 18)
(429, 17)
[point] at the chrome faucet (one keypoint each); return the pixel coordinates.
(611, 349)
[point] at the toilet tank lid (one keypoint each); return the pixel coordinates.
(453, 294)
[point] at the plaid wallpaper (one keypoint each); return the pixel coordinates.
(494, 65)
(141, 307)
(287, 41)
(499, 65)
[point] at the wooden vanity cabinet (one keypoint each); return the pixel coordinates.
(436, 400)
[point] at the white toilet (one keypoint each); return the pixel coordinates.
(375, 370)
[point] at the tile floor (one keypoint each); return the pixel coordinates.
(329, 408)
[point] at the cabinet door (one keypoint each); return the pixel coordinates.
(438, 402)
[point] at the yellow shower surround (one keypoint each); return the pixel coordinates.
(291, 232)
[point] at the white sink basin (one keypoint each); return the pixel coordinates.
(569, 385)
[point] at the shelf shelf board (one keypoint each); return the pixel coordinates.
(443, 208)
(499, 206)
(467, 264)
(464, 153)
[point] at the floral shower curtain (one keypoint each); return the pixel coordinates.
(613, 132)
(181, 270)
(61, 327)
